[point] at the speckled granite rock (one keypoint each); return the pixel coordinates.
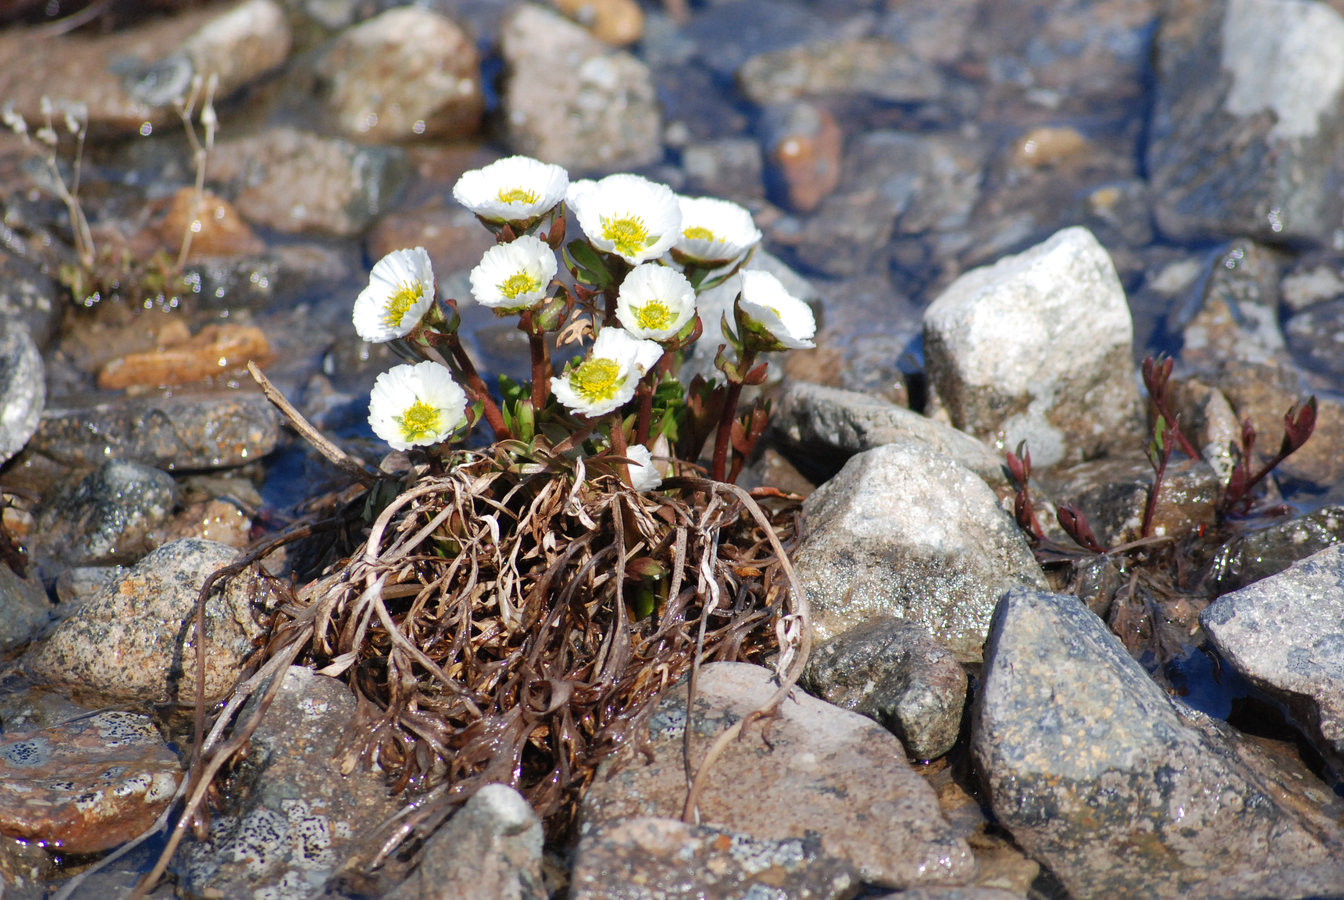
(22, 390)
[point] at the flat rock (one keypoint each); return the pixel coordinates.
(86, 785)
(868, 67)
(1285, 633)
(135, 642)
(182, 430)
(22, 387)
(24, 608)
(1038, 347)
(903, 531)
(1253, 555)
(1122, 790)
(665, 859)
(823, 771)
(1247, 133)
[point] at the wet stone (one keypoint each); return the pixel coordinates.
(290, 820)
(403, 75)
(803, 145)
(1316, 337)
(215, 226)
(489, 849)
(823, 770)
(103, 518)
(604, 117)
(648, 858)
(1038, 347)
(870, 67)
(182, 430)
(730, 167)
(1238, 317)
(135, 640)
(1285, 633)
(29, 297)
(891, 671)
(86, 785)
(217, 350)
(1122, 790)
(904, 531)
(1247, 131)
(22, 390)
(24, 608)
(1260, 553)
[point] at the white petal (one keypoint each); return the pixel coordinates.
(513, 189)
(416, 405)
(655, 302)
(529, 257)
(765, 301)
(400, 292)
(714, 230)
(627, 215)
(643, 475)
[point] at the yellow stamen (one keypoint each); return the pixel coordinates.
(517, 195)
(654, 316)
(700, 233)
(519, 283)
(419, 421)
(629, 235)
(595, 379)
(405, 296)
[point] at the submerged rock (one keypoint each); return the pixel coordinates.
(816, 769)
(24, 608)
(1123, 791)
(22, 389)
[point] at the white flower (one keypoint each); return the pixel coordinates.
(608, 375)
(714, 231)
(401, 289)
(416, 405)
(630, 216)
(643, 475)
(654, 302)
(513, 189)
(771, 310)
(514, 276)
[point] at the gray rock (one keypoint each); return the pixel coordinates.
(490, 848)
(294, 181)
(104, 518)
(952, 893)
(1238, 316)
(602, 115)
(182, 430)
(663, 859)
(1315, 336)
(730, 167)
(812, 769)
(872, 67)
(828, 421)
(135, 641)
(1121, 790)
(891, 671)
(1247, 133)
(291, 820)
(1113, 493)
(1253, 555)
(29, 297)
(1285, 633)
(908, 532)
(24, 608)
(22, 388)
(1038, 347)
(405, 74)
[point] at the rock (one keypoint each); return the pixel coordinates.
(1038, 347)
(615, 22)
(87, 785)
(1121, 790)
(1113, 494)
(647, 858)
(1253, 555)
(937, 31)
(602, 116)
(184, 430)
(290, 820)
(1238, 318)
(218, 349)
(130, 78)
(214, 226)
(24, 608)
(804, 146)
(904, 531)
(490, 848)
(22, 389)
(731, 167)
(451, 235)
(1246, 134)
(1285, 633)
(405, 74)
(828, 422)
(892, 672)
(135, 642)
(216, 520)
(870, 67)
(1315, 336)
(952, 893)
(802, 781)
(1309, 282)
(294, 181)
(28, 296)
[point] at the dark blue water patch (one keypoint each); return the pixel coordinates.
(1205, 682)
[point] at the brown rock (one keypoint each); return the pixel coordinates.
(615, 22)
(214, 226)
(804, 146)
(216, 350)
(87, 785)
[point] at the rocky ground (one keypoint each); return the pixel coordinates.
(997, 211)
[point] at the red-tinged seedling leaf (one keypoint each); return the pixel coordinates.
(1076, 526)
(556, 236)
(739, 437)
(756, 375)
(1298, 424)
(506, 234)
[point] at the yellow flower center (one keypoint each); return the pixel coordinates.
(405, 296)
(701, 233)
(517, 195)
(595, 379)
(654, 316)
(519, 283)
(419, 421)
(629, 235)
